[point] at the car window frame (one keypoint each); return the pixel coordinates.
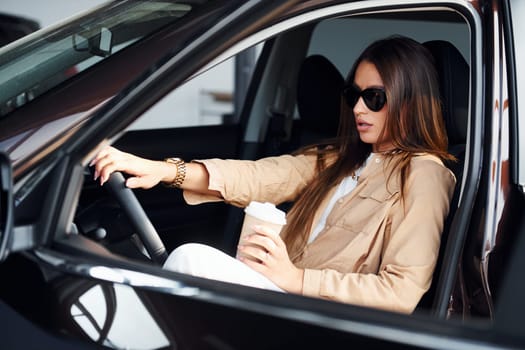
(513, 10)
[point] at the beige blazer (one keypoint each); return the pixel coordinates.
(375, 250)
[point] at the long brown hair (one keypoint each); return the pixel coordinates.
(414, 123)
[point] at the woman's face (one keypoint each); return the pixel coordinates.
(370, 124)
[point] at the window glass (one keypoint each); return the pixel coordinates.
(48, 58)
(209, 98)
(204, 100)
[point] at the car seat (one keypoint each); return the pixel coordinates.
(319, 87)
(453, 75)
(318, 90)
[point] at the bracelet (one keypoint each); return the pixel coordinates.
(181, 172)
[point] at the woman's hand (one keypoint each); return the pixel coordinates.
(270, 258)
(145, 173)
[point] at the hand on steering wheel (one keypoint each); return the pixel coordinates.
(144, 173)
(107, 164)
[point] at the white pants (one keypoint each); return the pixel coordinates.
(204, 261)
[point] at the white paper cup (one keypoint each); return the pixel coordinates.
(265, 214)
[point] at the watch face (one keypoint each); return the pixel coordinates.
(174, 160)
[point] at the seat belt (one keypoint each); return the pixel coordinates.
(277, 132)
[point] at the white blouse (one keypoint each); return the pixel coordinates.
(346, 186)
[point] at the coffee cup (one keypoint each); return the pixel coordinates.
(265, 214)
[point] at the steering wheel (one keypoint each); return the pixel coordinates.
(116, 185)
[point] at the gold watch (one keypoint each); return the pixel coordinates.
(181, 172)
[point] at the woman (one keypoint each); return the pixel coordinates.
(369, 206)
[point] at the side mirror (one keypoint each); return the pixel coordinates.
(6, 204)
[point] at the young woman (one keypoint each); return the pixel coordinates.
(369, 206)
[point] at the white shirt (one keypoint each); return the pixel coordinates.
(346, 186)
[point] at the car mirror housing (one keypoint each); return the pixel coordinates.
(98, 42)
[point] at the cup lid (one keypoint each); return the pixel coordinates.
(266, 211)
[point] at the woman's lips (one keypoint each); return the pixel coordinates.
(362, 125)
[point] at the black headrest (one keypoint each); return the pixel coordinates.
(453, 75)
(319, 88)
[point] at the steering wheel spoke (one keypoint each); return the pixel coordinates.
(149, 236)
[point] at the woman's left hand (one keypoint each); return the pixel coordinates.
(270, 258)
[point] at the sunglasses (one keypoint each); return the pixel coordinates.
(374, 98)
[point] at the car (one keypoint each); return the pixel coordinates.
(82, 264)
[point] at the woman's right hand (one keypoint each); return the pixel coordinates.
(144, 173)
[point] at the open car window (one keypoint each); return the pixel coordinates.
(270, 111)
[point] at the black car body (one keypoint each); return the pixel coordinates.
(14, 27)
(81, 264)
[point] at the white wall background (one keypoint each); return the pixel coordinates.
(330, 36)
(47, 12)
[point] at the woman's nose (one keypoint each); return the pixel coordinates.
(359, 106)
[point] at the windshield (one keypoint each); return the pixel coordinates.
(43, 60)
(54, 80)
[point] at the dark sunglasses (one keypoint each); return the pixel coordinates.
(374, 98)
